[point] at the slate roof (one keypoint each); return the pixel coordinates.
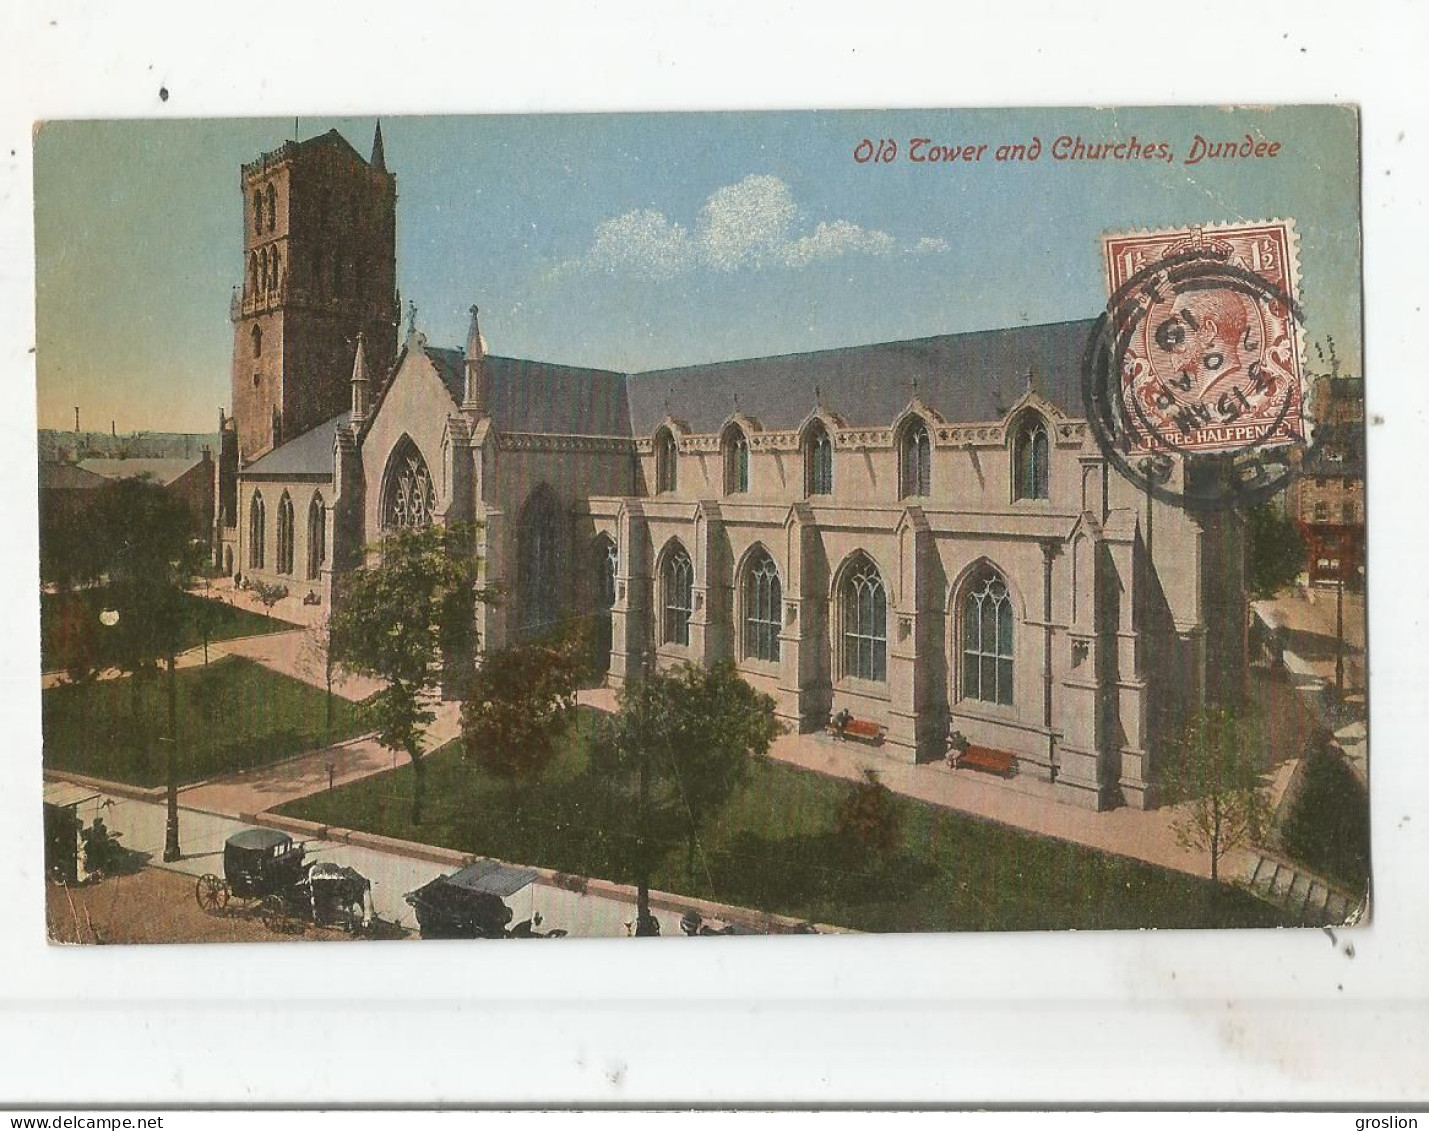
(965, 377)
(66, 477)
(534, 396)
(308, 454)
(164, 471)
(968, 377)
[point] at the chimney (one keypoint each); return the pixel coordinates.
(476, 397)
(112, 431)
(76, 419)
(359, 385)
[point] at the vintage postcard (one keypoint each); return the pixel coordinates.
(702, 524)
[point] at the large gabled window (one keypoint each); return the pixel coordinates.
(864, 613)
(677, 579)
(257, 531)
(736, 460)
(818, 460)
(667, 457)
(762, 602)
(317, 536)
(1030, 458)
(915, 453)
(987, 639)
(285, 534)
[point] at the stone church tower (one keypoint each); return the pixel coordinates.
(320, 268)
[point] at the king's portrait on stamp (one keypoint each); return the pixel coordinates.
(564, 526)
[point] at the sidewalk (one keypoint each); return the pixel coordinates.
(288, 653)
(255, 791)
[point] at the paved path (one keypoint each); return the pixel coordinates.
(268, 787)
(1021, 803)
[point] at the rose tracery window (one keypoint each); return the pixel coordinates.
(411, 497)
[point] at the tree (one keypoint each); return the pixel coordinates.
(398, 620)
(145, 536)
(687, 736)
(868, 818)
(1277, 550)
(1216, 778)
(268, 595)
(520, 704)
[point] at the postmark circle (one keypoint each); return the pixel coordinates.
(1188, 363)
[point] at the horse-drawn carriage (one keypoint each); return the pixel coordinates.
(471, 904)
(266, 869)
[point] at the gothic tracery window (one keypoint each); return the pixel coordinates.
(915, 459)
(666, 462)
(1030, 459)
(539, 577)
(987, 639)
(285, 534)
(317, 536)
(736, 460)
(677, 596)
(257, 531)
(410, 498)
(819, 454)
(865, 622)
(762, 602)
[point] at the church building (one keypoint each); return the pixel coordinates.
(923, 534)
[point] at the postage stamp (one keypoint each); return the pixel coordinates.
(1200, 355)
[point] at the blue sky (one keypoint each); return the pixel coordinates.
(641, 241)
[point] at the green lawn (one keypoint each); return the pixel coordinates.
(773, 848)
(70, 619)
(232, 715)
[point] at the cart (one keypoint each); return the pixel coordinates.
(265, 870)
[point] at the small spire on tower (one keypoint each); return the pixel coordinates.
(359, 384)
(475, 399)
(379, 159)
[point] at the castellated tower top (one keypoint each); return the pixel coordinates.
(320, 268)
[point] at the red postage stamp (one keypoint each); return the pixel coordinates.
(1208, 336)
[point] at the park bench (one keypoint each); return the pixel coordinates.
(985, 759)
(860, 730)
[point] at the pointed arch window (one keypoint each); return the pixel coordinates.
(285, 534)
(864, 605)
(272, 208)
(253, 276)
(539, 564)
(257, 336)
(762, 603)
(736, 460)
(915, 459)
(607, 565)
(677, 580)
(258, 211)
(1030, 453)
(257, 531)
(987, 639)
(819, 460)
(410, 498)
(666, 462)
(317, 537)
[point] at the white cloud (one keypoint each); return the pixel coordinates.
(643, 242)
(751, 224)
(842, 237)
